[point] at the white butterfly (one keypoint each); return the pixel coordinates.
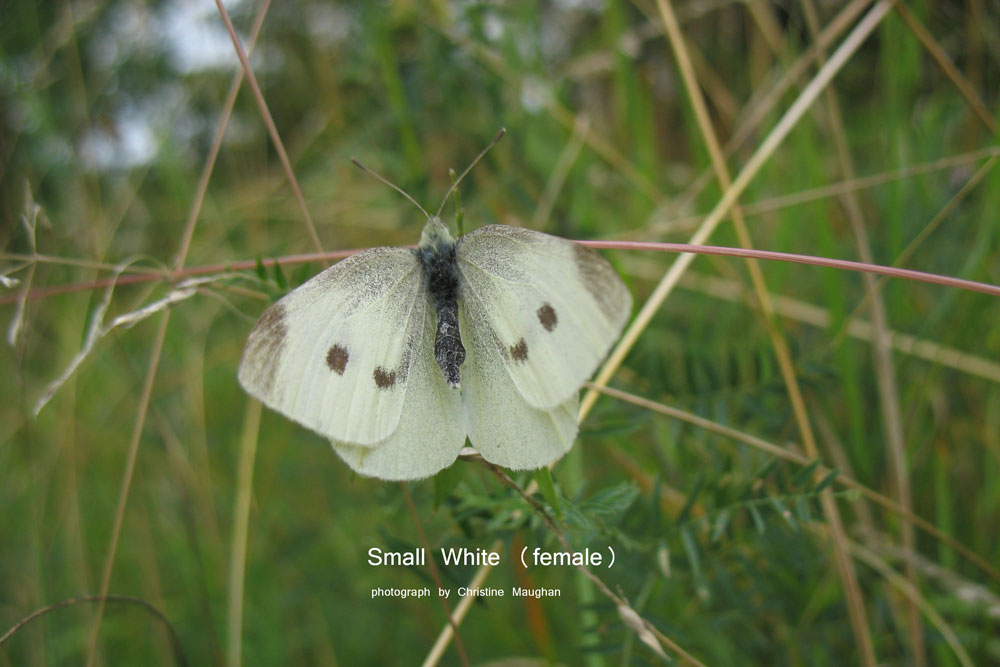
(396, 355)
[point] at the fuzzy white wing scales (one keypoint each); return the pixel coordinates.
(351, 353)
(501, 425)
(335, 354)
(552, 308)
(431, 430)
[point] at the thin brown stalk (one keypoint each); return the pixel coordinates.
(839, 457)
(829, 262)
(560, 535)
(461, 609)
(142, 411)
(216, 147)
(149, 275)
(559, 174)
(946, 210)
(241, 530)
(435, 575)
(940, 56)
(91, 209)
(742, 180)
(860, 329)
(766, 98)
(848, 576)
(272, 129)
(912, 246)
(560, 113)
(70, 261)
(885, 372)
(716, 88)
(175, 641)
(859, 183)
(451, 627)
(130, 459)
(789, 453)
(659, 227)
(912, 594)
(150, 572)
(290, 260)
(760, 106)
(767, 26)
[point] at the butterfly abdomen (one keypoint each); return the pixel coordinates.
(440, 271)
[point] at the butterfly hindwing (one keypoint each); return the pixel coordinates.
(352, 355)
(431, 430)
(501, 425)
(336, 353)
(552, 308)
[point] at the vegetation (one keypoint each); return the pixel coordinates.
(849, 513)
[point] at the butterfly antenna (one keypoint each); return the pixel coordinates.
(479, 157)
(357, 163)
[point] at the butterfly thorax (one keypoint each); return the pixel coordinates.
(436, 253)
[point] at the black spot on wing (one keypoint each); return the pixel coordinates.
(384, 379)
(519, 351)
(547, 317)
(336, 358)
(265, 346)
(387, 378)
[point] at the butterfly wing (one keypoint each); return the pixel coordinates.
(550, 308)
(501, 425)
(335, 354)
(431, 429)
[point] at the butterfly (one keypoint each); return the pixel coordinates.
(397, 355)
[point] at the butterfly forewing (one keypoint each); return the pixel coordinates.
(551, 308)
(351, 353)
(336, 353)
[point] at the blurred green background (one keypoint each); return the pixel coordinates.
(108, 113)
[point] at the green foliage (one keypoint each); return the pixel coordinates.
(543, 478)
(107, 115)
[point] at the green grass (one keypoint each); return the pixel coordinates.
(724, 548)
